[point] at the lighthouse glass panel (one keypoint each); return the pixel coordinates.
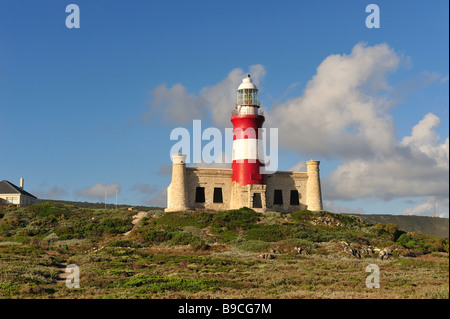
(247, 96)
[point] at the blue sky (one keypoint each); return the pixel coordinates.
(89, 108)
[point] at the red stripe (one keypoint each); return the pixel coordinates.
(248, 173)
(246, 126)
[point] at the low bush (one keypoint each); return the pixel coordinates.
(252, 245)
(423, 243)
(151, 283)
(183, 238)
(269, 233)
(243, 218)
(388, 231)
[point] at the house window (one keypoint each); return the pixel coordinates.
(218, 195)
(200, 195)
(257, 203)
(294, 197)
(278, 197)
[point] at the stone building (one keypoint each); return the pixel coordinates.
(195, 188)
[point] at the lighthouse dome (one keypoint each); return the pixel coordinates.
(247, 84)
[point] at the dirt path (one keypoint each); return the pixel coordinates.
(136, 221)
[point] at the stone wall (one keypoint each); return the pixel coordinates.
(286, 182)
(209, 178)
(199, 188)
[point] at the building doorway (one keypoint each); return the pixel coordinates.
(257, 202)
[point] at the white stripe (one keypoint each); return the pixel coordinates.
(246, 148)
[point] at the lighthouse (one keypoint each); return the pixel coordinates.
(248, 183)
(247, 118)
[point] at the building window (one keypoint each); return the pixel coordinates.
(294, 197)
(278, 197)
(257, 203)
(200, 195)
(218, 195)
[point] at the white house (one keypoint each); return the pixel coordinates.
(12, 194)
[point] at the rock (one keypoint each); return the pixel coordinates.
(352, 251)
(383, 255)
(267, 256)
(301, 251)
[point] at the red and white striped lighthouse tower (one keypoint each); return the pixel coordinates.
(247, 118)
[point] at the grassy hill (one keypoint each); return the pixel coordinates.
(229, 254)
(97, 205)
(420, 224)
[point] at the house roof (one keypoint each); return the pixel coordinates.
(9, 188)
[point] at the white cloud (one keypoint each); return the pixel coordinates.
(417, 166)
(54, 192)
(339, 114)
(424, 141)
(98, 191)
(175, 104)
(145, 189)
(340, 209)
(431, 206)
(299, 167)
(159, 200)
(221, 160)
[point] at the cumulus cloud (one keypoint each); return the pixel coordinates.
(431, 206)
(339, 114)
(341, 209)
(145, 189)
(54, 192)
(176, 105)
(158, 200)
(98, 191)
(417, 166)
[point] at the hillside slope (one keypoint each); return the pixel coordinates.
(434, 226)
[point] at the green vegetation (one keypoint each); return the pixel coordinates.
(204, 254)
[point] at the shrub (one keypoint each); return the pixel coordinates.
(423, 243)
(182, 238)
(114, 225)
(151, 283)
(269, 233)
(199, 245)
(243, 218)
(157, 236)
(388, 231)
(204, 219)
(302, 214)
(252, 245)
(178, 220)
(46, 209)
